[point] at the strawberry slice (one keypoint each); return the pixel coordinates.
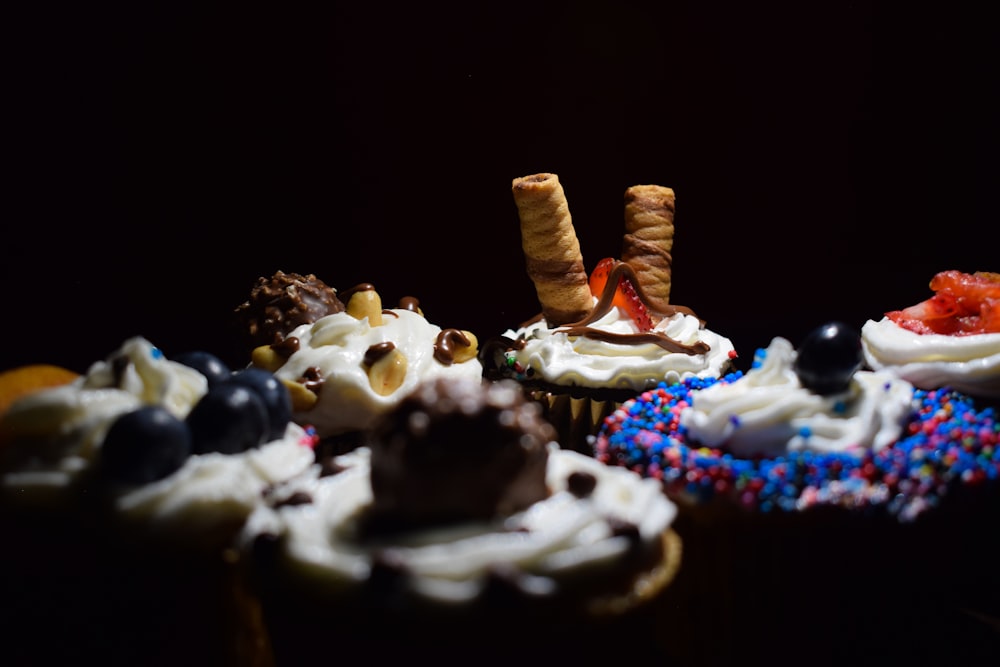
(626, 297)
(633, 307)
(963, 304)
(599, 276)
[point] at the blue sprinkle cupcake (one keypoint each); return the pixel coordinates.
(823, 501)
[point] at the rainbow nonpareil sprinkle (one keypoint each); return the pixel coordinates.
(947, 441)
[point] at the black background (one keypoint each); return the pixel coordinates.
(828, 158)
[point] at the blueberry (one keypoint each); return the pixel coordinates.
(273, 392)
(205, 363)
(145, 445)
(230, 418)
(828, 357)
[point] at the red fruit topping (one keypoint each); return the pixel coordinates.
(599, 276)
(626, 297)
(963, 304)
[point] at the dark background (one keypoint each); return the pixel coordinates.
(828, 158)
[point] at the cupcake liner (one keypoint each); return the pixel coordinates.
(840, 585)
(577, 419)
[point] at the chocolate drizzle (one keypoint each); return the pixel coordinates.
(312, 379)
(606, 302)
(286, 347)
(345, 296)
(410, 303)
(377, 351)
(444, 346)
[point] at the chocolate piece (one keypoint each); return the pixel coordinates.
(282, 302)
(581, 484)
(457, 450)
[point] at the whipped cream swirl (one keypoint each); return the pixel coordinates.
(556, 539)
(562, 357)
(55, 437)
(768, 411)
(333, 349)
(969, 364)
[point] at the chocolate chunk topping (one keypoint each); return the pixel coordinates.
(282, 302)
(581, 484)
(457, 450)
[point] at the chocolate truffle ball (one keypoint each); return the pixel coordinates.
(458, 450)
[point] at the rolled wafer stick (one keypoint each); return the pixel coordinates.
(551, 249)
(649, 239)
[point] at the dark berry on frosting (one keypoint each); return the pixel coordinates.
(581, 484)
(145, 445)
(282, 302)
(273, 393)
(457, 450)
(206, 363)
(828, 358)
(230, 418)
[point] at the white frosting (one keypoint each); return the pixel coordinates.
(561, 359)
(55, 434)
(337, 344)
(970, 364)
(55, 437)
(768, 412)
(560, 536)
(214, 490)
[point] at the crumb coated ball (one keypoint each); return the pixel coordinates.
(457, 450)
(947, 441)
(282, 302)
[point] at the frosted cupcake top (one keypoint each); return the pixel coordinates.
(173, 448)
(348, 367)
(949, 340)
(769, 412)
(458, 495)
(614, 330)
(834, 448)
(624, 343)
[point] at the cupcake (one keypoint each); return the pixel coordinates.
(122, 492)
(951, 339)
(823, 507)
(460, 529)
(346, 359)
(605, 336)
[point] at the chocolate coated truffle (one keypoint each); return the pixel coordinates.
(282, 302)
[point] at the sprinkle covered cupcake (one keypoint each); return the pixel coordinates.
(951, 339)
(460, 527)
(601, 337)
(809, 471)
(121, 495)
(346, 358)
